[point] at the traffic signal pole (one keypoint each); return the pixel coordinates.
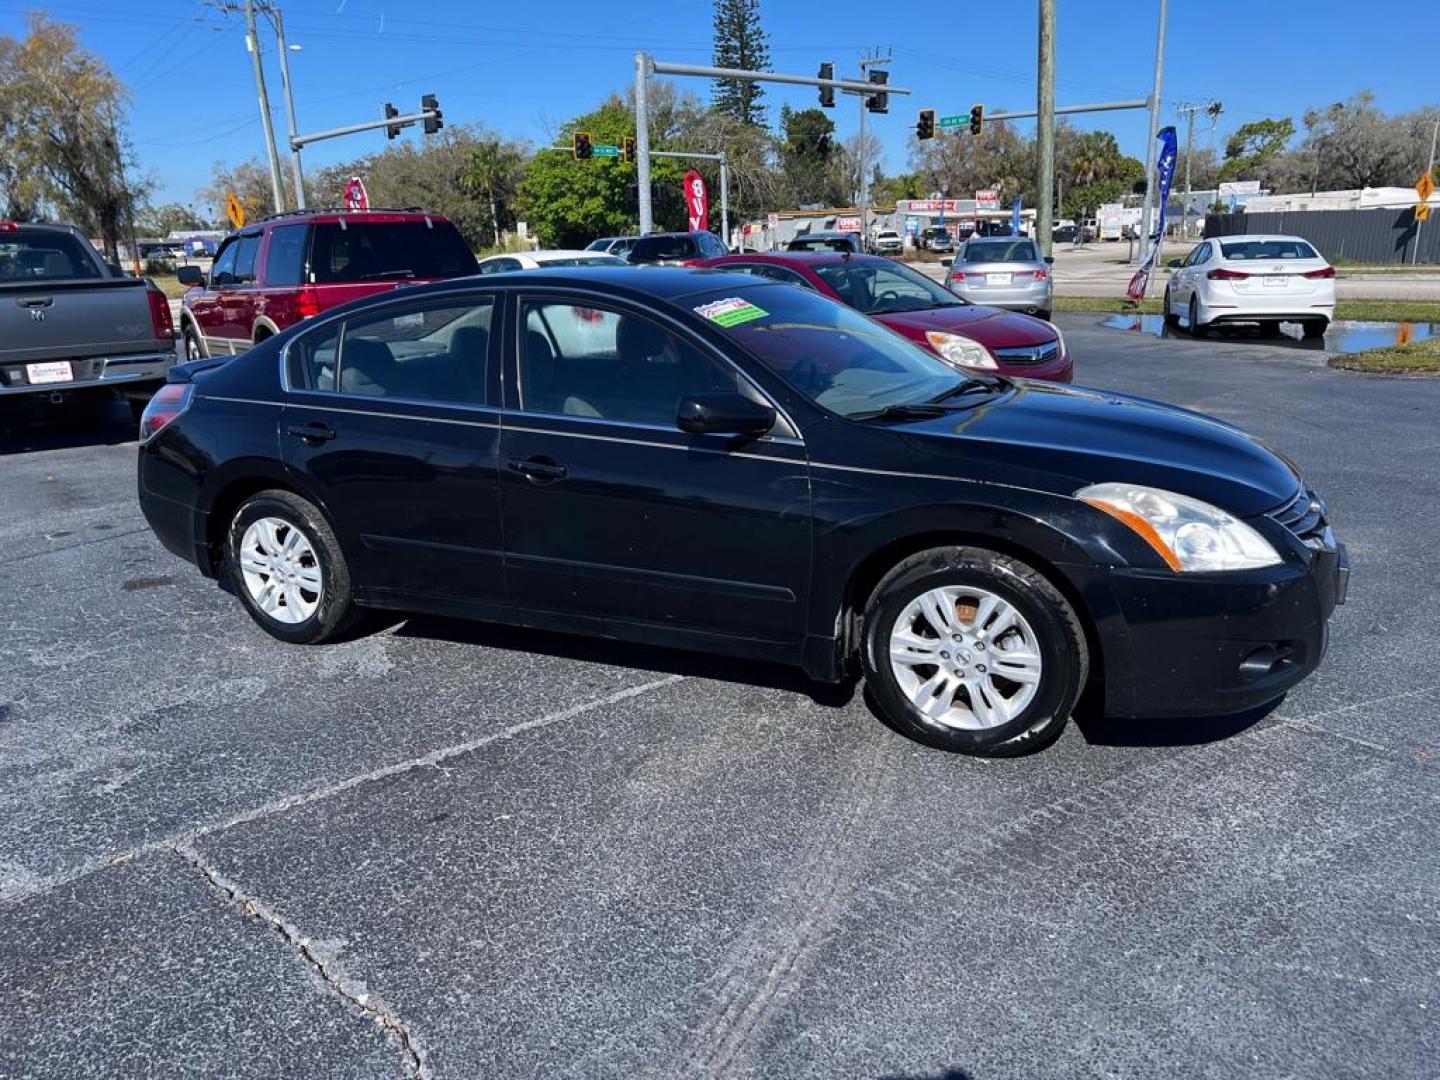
(370, 125)
(646, 66)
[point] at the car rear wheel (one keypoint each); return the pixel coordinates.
(973, 651)
(1169, 308)
(1315, 328)
(1195, 324)
(1043, 313)
(193, 350)
(287, 568)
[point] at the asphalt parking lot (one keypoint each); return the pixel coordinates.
(456, 851)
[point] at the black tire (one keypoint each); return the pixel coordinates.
(194, 350)
(1043, 314)
(1060, 640)
(1315, 328)
(336, 610)
(1195, 325)
(137, 408)
(1169, 315)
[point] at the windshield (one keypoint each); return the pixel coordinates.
(584, 260)
(374, 251)
(1268, 249)
(883, 287)
(1000, 251)
(835, 356)
(44, 255)
(603, 244)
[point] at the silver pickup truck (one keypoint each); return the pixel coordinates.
(71, 324)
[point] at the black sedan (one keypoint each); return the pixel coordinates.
(703, 459)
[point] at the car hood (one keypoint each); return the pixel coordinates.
(990, 326)
(1059, 439)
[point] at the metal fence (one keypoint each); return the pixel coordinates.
(1363, 236)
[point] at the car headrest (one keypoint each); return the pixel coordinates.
(57, 264)
(638, 339)
(539, 363)
(470, 342)
(366, 367)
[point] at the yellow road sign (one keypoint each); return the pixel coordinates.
(1424, 187)
(234, 211)
(1422, 212)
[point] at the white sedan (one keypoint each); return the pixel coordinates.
(534, 260)
(1269, 279)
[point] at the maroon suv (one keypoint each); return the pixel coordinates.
(268, 276)
(959, 332)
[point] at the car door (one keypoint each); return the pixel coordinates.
(614, 514)
(204, 307)
(391, 421)
(1185, 277)
(238, 295)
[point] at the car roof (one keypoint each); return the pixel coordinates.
(810, 258)
(1260, 236)
(666, 283)
(559, 253)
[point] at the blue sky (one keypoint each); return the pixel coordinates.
(525, 68)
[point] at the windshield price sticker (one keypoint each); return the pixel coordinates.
(731, 311)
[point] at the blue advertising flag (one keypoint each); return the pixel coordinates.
(1164, 173)
(1015, 217)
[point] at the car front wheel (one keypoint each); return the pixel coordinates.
(973, 651)
(288, 570)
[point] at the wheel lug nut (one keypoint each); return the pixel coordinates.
(980, 668)
(979, 645)
(944, 656)
(958, 638)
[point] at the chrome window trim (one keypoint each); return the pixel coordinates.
(669, 429)
(683, 447)
(654, 315)
(332, 395)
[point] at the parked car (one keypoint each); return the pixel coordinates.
(534, 260)
(1265, 279)
(937, 238)
(709, 460)
(71, 324)
(1003, 272)
(887, 242)
(290, 267)
(909, 303)
(1072, 234)
(612, 245)
(672, 249)
(825, 241)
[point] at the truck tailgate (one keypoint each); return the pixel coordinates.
(67, 320)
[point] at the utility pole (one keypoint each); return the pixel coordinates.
(1045, 127)
(1145, 207)
(278, 18)
(866, 63)
(1188, 111)
(642, 142)
(252, 43)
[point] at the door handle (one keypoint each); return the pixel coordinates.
(313, 432)
(539, 469)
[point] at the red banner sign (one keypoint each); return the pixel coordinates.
(697, 202)
(356, 197)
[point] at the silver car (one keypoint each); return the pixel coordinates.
(1004, 272)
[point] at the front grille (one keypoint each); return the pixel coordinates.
(1028, 354)
(1307, 517)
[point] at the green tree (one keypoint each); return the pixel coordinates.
(62, 142)
(1253, 146)
(567, 203)
(496, 168)
(160, 221)
(811, 164)
(740, 42)
(250, 182)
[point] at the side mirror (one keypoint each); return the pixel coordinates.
(723, 414)
(947, 262)
(189, 275)
(1050, 259)
(1175, 264)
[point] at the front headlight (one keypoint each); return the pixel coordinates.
(1188, 534)
(961, 350)
(1059, 337)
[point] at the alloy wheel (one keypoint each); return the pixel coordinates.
(965, 657)
(280, 570)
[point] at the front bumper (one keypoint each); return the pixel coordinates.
(92, 373)
(1193, 645)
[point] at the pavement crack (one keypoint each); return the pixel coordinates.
(323, 966)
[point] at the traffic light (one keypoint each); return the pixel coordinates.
(434, 122)
(879, 103)
(827, 93)
(627, 148)
(925, 125)
(391, 130)
(580, 147)
(977, 119)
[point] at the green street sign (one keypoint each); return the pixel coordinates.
(602, 150)
(954, 121)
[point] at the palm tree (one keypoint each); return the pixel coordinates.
(495, 170)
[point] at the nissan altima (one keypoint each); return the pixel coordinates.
(707, 460)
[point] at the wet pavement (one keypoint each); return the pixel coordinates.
(1344, 336)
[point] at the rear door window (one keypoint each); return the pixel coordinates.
(245, 252)
(42, 255)
(388, 251)
(285, 257)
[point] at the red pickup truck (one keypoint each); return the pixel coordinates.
(270, 275)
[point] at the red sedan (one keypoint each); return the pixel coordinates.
(964, 334)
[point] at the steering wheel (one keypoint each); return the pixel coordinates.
(888, 294)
